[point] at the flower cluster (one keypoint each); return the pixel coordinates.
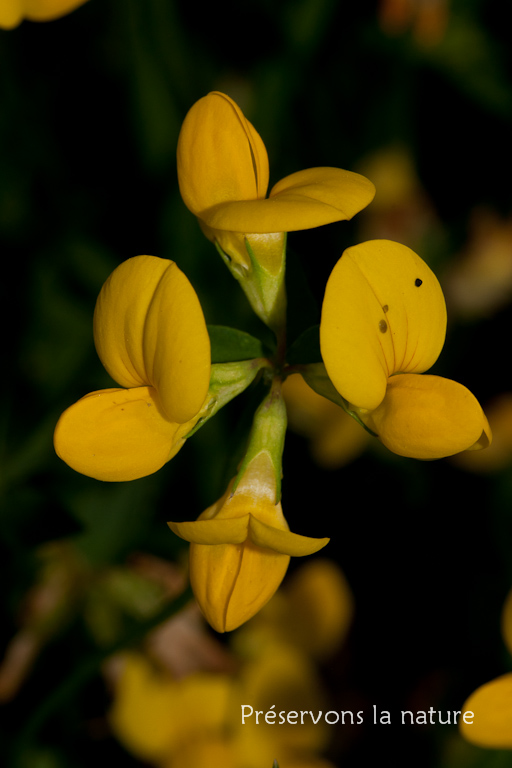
(383, 325)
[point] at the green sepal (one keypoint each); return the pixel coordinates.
(227, 380)
(267, 434)
(268, 291)
(230, 345)
(315, 375)
(265, 292)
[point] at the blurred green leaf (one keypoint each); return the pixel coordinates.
(306, 349)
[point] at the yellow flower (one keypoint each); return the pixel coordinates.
(151, 336)
(12, 12)
(223, 174)
(491, 705)
(383, 324)
(241, 547)
(171, 722)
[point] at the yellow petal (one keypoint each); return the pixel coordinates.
(220, 155)
(428, 417)
(120, 316)
(341, 194)
(149, 329)
(286, 542)
(177, 346)
(491, 705)
(144, 709)
(237, 530)
(304, 200)
(232, 582)
(383, 313)
(227, 531)
(117, 434)
(155, 716)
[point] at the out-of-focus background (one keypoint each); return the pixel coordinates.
(405, 613)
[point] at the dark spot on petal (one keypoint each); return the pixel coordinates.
(383, 326)
(418, 282)
(385, 308)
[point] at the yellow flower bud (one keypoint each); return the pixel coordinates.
(241, 547)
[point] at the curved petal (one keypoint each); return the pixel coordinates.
(285, 542)
(428, 417)
(117, 434)
(491, 705)
(304, 200)
(177, 346)
(236, 530)
(344, 192)
(120, 316)
(149, 329)
(383, 313)
(226, 531)
(220, 155)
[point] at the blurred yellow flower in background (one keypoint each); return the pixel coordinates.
(335, 438)
(478, 282)
(312, 611)
(209, 718)
(12, 12)
(402, 210)
(383, 324)
(171, 722)
(151, 336)
(491, 703)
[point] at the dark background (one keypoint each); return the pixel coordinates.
(90, 110)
